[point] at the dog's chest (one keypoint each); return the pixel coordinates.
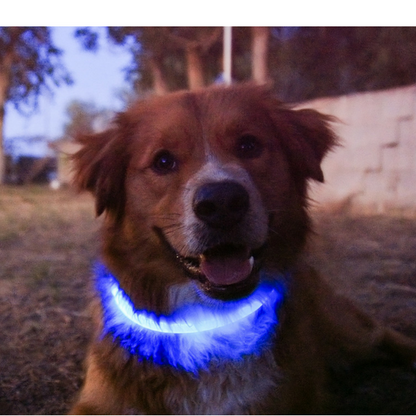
(233, 388)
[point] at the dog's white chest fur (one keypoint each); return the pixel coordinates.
(237, 389)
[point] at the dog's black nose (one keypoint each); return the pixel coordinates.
(221, 204)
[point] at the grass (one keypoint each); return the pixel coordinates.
(48, 241)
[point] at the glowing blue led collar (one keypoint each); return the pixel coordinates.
(195, 335)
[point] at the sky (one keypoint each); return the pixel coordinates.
(98, 78)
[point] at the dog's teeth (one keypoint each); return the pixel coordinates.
(251, 260)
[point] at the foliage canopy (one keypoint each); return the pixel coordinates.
(303, 62)
(30, 63)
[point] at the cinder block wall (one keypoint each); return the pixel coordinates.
(375, 169)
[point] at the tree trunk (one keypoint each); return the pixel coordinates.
(2, 153)
(159, 84)
(259, 51)
(194, 68)
(5, 72)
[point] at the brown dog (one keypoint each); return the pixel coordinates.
(205, 303)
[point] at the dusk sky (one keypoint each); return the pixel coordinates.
(98, 78)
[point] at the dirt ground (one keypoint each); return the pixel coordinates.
(49, 240)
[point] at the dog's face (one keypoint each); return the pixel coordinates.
(214, 181)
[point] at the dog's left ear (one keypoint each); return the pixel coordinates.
(100, 167)
(306, 136)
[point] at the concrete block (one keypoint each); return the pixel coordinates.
(375, 169)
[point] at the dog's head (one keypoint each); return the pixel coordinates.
(210, 183)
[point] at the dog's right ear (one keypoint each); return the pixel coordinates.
(100, 167)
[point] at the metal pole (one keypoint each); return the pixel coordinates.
(227, 55)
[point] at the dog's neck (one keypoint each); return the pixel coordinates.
(194, 335)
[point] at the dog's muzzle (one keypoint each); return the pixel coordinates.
(226, 267)
(227, 263)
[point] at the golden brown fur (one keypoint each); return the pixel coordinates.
(319, 331)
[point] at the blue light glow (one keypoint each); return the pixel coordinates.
(194, 335)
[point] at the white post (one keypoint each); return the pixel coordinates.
(227, 55)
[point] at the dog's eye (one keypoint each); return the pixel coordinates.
(164, 162)
(248, 147)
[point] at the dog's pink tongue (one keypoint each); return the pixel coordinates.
(226, 270)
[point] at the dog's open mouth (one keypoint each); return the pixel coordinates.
(225, 271)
